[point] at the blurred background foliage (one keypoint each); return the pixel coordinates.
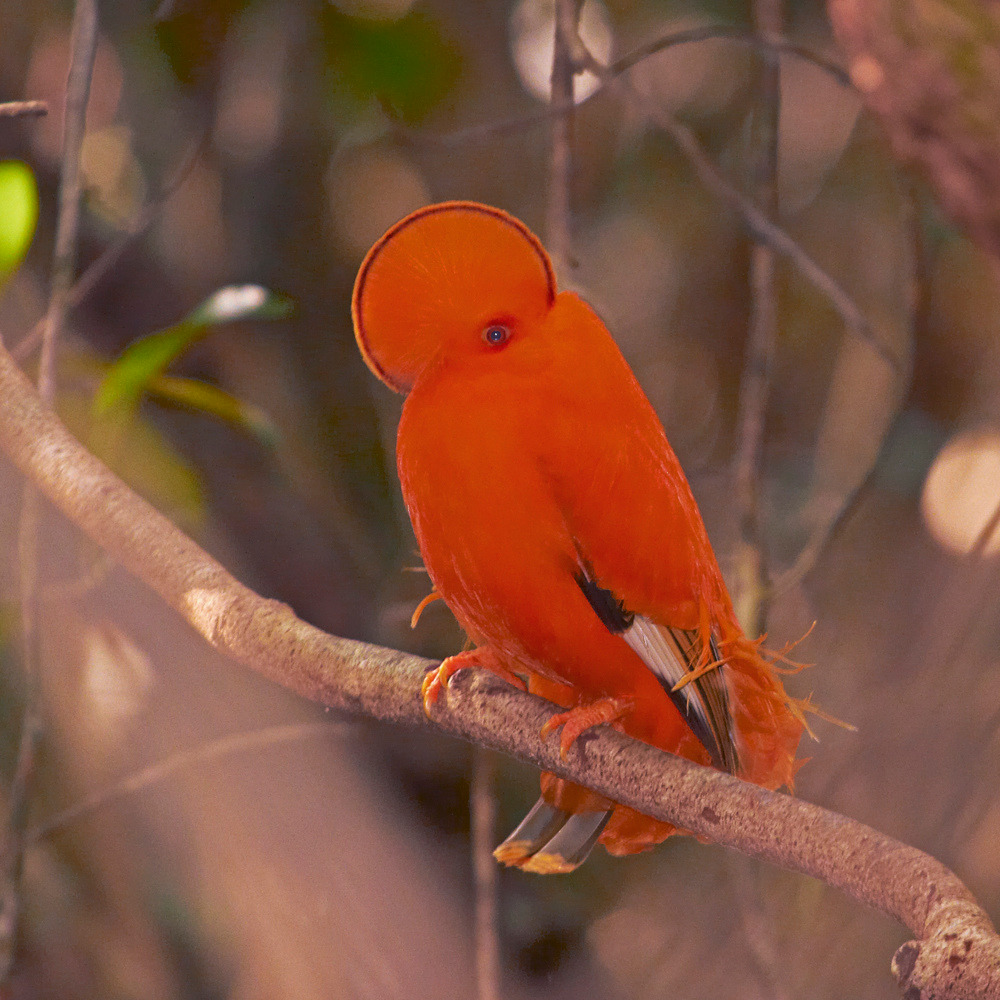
(235, 142)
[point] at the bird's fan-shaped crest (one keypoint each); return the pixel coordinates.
(437, 275)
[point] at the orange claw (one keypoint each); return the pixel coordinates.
(578, 720)
(419, 610)
(437, 679)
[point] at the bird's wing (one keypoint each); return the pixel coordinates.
(673, 654)
(645, 561)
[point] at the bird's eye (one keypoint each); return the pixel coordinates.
(495, 334)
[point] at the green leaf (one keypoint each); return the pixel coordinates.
(408, 63)
(146, 359)
(18, 214)
(203, 397)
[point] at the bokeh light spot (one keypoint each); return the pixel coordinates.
(532, 40)
(962, 491)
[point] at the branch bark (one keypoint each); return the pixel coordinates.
(956, 953)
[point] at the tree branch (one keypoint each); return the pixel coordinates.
(485, 873)
(757, 222)
(559, 220)
(753, 594)
(184, 760)
(83, 50)
(519, 123)
(957, 954)
(113, 252)
(771, 44)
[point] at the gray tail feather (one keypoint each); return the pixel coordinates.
(550, 840)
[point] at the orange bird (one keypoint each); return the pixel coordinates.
(555, 520)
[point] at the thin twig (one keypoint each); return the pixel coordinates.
(985, 536)
(809, 555)
(957, 953)
(753, 595)
(185, 760)
(23, 109)
(147, 215)
(758, 930)
(112, 253)
(83, 51)
(919, 314)
(483, 809)
(761, 228)
(558, 230)
(508, 126)
(767, 45)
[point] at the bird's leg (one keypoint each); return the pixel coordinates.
(578, 720)
(484, 657)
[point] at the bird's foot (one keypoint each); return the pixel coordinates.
(578, 720)
(436, 680)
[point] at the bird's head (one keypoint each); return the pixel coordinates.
(451, 280)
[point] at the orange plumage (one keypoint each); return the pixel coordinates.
(555, 520)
